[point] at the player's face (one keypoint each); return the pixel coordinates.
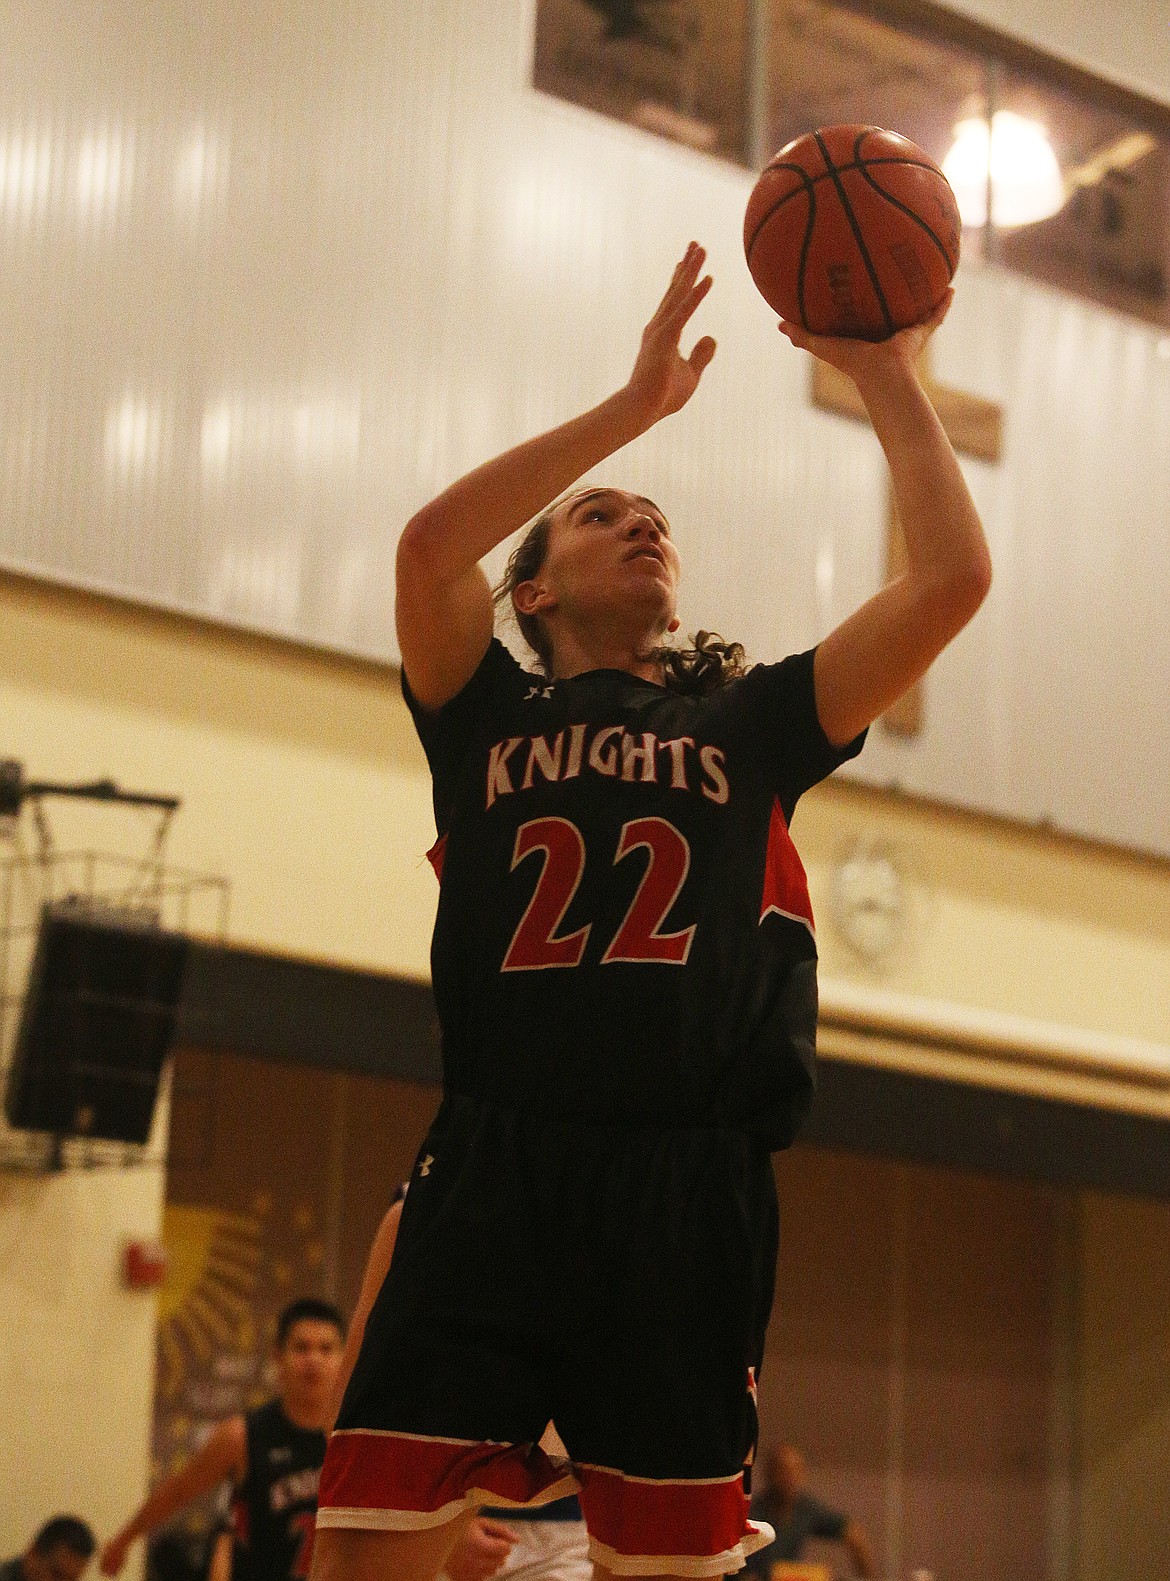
(611, 560)
(307, 1362)
(790, 1472)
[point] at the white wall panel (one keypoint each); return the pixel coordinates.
(275, 272)
(1054, 699)
(1128, 42)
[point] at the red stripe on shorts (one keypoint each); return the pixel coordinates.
(636, 1517)
(399, 1472)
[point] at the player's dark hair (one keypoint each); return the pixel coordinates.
(695, 671)
(65, 1531)
(308, 1308)
(523, 564)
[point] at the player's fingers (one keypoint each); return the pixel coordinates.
(688, 265)
(795, 334)
(941, 310)
(684, 261)
(681, 269)
(918, 334)
(494, 1528)
(700, 357)
(675, 321)
(681, 280)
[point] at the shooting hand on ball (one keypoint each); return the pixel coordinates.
(862, 359)
(663, 380)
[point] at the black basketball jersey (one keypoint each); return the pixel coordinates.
(274, 1509)
(624, 929)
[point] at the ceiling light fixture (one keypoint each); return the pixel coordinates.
(1026, 183)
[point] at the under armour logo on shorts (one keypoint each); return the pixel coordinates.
(425, 1167)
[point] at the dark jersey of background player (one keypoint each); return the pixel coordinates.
(274, 1508)
(624, 825)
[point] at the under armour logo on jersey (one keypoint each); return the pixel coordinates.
(544, 692)
(425, 1167)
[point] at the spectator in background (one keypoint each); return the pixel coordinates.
(59, 1552)
(795, 1516)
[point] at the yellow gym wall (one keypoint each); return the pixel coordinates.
(303, 784)
(76, 1350)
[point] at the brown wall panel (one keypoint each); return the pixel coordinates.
(385, 1123)
(980, 1299)
(278, 1176)
(825, 1381)
(910, 1357)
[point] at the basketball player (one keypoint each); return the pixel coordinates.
(624, 966)
(60, 1551)
(272, 1457)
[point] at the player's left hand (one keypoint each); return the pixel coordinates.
(481, 1551)
(663, 380)
(863, 358)
(113, 1555)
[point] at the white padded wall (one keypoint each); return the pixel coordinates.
(275, 271)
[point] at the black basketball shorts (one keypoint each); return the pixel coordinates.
(612, 1279)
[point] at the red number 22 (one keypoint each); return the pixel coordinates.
(639, 938)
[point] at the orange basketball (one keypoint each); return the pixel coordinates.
(852, 230)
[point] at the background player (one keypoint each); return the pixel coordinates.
(794, 1515)
(590, 1233)
(60, 1551)
(272, 1457)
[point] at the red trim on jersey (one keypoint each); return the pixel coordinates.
(414, 1477)
(241, 1523)
(643, 1519)
(785, 883)
(436, 854)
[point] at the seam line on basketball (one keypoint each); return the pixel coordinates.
(804, 247)
(857, 236)
(808, 183)
(952, 265)
(876, 159)
(806, 186)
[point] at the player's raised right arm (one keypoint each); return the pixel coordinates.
(444, 610)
